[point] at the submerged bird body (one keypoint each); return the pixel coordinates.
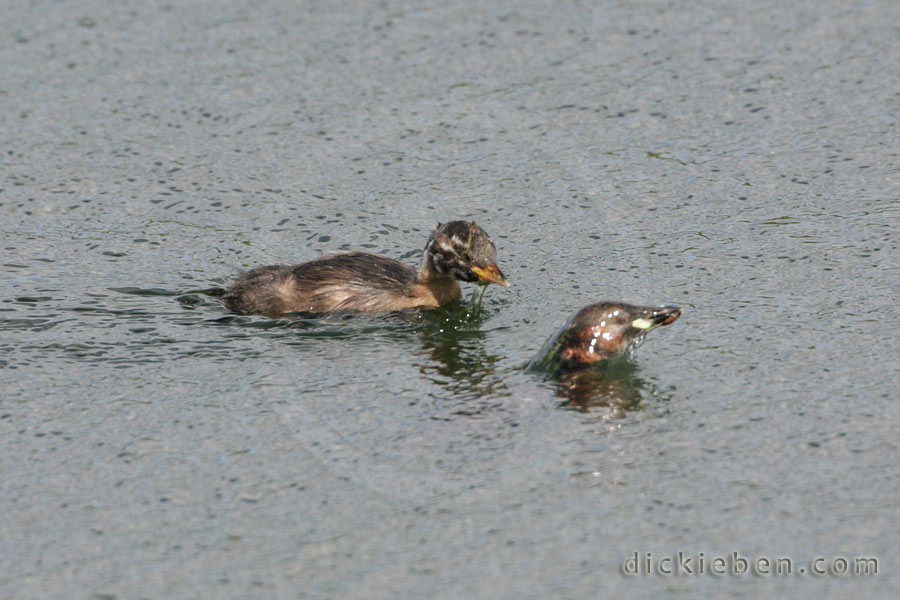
(600, 331)
(456, 251)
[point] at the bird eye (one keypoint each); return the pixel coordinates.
(622, 319)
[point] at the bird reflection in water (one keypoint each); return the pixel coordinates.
(613, 384)
(457, 359)
(589, 358)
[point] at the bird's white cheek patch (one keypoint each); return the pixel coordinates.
(642, 323)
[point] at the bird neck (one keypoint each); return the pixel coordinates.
(440, 288)
(429, 274)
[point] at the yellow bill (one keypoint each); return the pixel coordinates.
(491, 274)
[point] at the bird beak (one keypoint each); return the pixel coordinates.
(491, 274)
(656, 317)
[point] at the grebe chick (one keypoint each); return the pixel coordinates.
(456, 251)
(600, 330)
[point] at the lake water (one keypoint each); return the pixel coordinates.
(737, 159)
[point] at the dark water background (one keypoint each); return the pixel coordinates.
(739, 159)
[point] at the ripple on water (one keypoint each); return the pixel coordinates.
(138, 326)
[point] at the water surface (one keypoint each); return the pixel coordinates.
(739, 161)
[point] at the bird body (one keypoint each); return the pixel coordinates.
(457, 251)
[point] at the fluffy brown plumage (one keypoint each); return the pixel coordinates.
(456, 251)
